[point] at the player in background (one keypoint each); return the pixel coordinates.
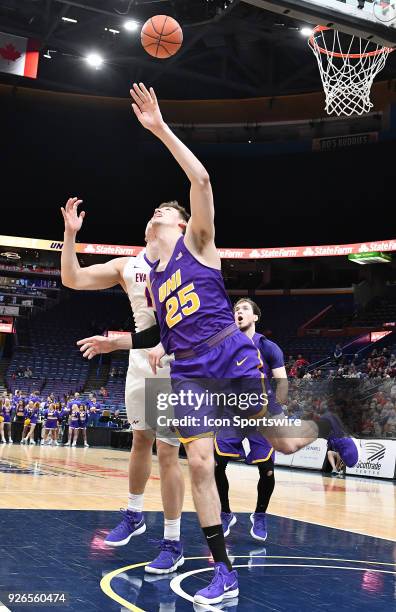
(131, 273)
(229, 447)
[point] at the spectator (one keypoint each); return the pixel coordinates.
(94, 412)
(28, 372)
(113, 372)
(103, 392)
(116, 419)
(337, 354)
(301, 364)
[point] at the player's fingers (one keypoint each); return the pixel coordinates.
(153, 96)
(135, 93)
(82, 214)
(137, 100)
(146, 92)
(140, 91)
(85, 347)
(63, 212)
(136, 110)
(152, 363)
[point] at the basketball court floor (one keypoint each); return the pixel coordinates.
(331, 542)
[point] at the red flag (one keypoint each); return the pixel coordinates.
(19, 55)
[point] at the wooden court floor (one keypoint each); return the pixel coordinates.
(64, 478)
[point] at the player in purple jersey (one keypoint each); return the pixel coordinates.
(197, 324)
(231, 447)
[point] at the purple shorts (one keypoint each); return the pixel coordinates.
(74, 425)
(232, 368)
(260, 448)
(51, 424)
(33, 420)
(7, 418)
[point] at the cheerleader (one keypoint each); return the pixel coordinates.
(51, 416)
(3, 440)
(74, 424)
(30, 422)
(83, 418)
(64, 420)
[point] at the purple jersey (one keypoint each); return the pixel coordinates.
(94, 407)
(191, 301)
(83, 416)
(51, 416)
(32, 414)
(272, 357)
(271, 354)
(74, 420)
(5, 412)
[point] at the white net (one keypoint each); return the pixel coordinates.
(348, 66)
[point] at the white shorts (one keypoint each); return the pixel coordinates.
(139, 369)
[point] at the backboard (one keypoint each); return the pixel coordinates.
(371, 19)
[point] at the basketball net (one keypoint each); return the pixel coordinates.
(348, 66)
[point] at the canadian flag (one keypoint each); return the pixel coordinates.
(19, 55)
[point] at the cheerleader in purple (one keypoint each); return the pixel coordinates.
(31, 417)
(82, 426)
(5, 420)
(74, 424)
(51, 416)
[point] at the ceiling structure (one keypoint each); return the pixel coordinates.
(231, 49)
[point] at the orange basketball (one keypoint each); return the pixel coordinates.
(161, 36)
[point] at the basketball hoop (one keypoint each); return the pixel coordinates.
(348, 66)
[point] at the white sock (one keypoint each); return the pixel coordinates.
(172, 529)
(135, 502)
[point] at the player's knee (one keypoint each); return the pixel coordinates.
(167, 455)
(201, 467)
(141, 441)
(287, 446)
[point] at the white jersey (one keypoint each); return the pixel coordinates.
(135, 273)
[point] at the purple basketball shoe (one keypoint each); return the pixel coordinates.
(132, 524)
(228, 520)
(223, 586)
(169, 558)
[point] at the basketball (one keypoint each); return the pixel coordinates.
(161, 36)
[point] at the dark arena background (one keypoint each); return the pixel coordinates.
(305, 220)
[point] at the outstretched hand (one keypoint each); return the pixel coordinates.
(146, 108)
(96, 345)
(73, 220)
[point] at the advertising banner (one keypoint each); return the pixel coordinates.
(379, 460)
